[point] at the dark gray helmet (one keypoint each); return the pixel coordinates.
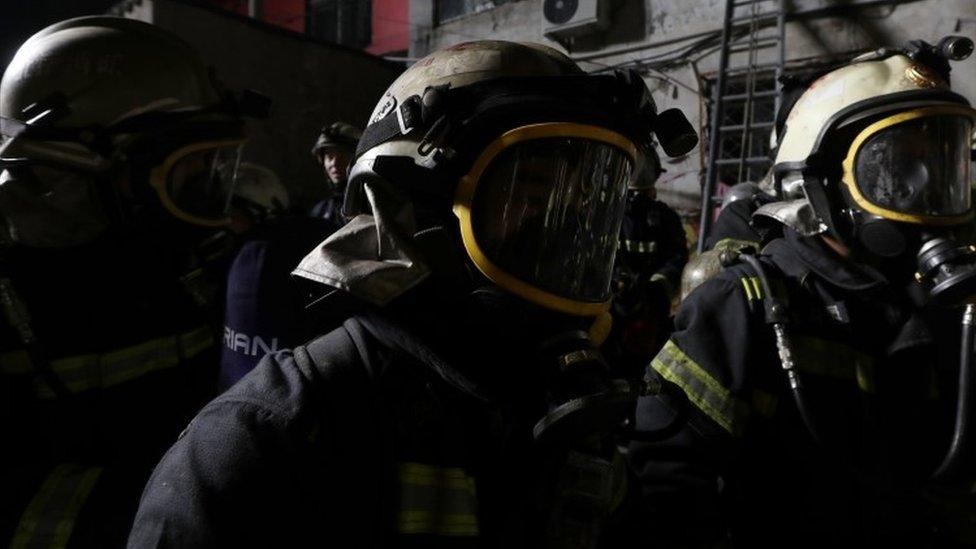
(89, 94)
(337, 134)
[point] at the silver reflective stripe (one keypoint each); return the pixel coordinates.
(50, 516)
(436, 500)
(638, 246)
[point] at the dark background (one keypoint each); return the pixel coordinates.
(19, 19)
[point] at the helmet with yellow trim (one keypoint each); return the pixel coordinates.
(880, 149)
(102, 99)
(526, 155)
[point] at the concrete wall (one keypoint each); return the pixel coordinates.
(643, 28)
(310, 83)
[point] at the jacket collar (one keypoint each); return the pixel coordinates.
(798, 256)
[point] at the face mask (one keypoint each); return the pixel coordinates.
(49, 208)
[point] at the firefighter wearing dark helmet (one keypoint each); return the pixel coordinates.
(820, 374)
(647, 272)
(112, 129)
(488, 194)
(334, 150)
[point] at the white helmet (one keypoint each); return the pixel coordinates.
(879, 143)
(259, 190)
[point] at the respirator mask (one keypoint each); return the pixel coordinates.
(907, 188)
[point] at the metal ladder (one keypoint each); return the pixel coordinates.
(743, 110)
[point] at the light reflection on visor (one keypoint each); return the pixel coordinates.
(919, 167)
(548, 211)
(199, 184)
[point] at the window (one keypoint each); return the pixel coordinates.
(446, 10)
(346, 22)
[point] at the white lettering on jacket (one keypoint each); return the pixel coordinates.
(248, 345)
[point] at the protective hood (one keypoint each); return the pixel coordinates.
(373, 257)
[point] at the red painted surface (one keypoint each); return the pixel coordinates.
(391, 26)
(289, 14)
(390, 20)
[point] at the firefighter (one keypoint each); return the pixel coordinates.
(112, 133)
(647, 269)
(465, 404)
(264, 309)
(819, 374)
(334, 151)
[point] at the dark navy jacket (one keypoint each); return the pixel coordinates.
(375, 443)
(745, 464)
(264, 307)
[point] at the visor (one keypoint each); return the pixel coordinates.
(195, 183)
(541, 210)
(915, 166)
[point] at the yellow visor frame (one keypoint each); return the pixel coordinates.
(159, 174)
(468, 185)
(849, 175)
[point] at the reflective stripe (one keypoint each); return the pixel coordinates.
(752, 287)
(835, 360)
(84, 372)
(734, 244)
(435, 500)
(50, 517)
(702, 389)
(638, 246)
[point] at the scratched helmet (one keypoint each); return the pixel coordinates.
(526, 154)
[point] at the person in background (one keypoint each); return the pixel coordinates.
(334, 150)
(647, 270)
(264, 310)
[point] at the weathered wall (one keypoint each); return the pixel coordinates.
(644, 28)
(311, 83)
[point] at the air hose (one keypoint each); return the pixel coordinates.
(776, 315)
(962, 434)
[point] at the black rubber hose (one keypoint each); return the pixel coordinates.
(962, 434)
(776, 315)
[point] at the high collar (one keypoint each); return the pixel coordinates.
(798, 256)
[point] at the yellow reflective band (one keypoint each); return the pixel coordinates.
(638, 246)
(748, 288)
(752, 287)
(439, 501)
(50, 517)
(756, 286)
(416, 521)
(834, 360)
(420, 474)
(90, 371)
(702, 389)
(849, 177)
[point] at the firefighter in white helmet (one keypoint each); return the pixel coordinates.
(818, 385)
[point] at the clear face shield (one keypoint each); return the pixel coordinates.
(196, 183)
(915, 166)
(541, 211)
